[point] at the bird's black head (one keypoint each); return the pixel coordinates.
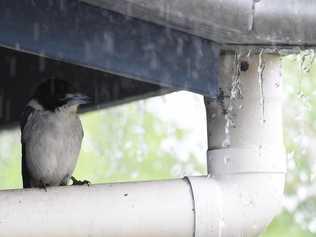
(54, 93)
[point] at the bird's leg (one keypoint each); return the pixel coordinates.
(43, 185)
(65, 180)
(79, 182)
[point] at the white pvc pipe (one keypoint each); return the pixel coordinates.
(239, 198)
(250, 165)
(156, 209)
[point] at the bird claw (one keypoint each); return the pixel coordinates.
(43, 186)
(79, 182)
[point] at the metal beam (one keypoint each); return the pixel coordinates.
(238, 22)
(21, 73)
(93, 37)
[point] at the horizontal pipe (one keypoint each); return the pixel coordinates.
(157, 209)
(195, 206)
(268, 22)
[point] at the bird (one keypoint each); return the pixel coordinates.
(51, 135)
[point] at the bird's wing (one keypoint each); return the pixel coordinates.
(25, 173)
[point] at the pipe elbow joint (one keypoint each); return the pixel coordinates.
(243, 195)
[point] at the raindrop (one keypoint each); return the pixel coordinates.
(227, 161)
(87, 50)
(129, 9)
(51, 4)
(12, 66)
(251, 203)
(247, 200)
(254, 227)
(167, 11)
(249, 53)
(36, 31)
(312, 226)
(180, 47)
(260, 150)
(153, 61)
(195, 75)
(302, 193)
(60, 55)
(235, 93)
(299, 218)
(108, 42)
(261, 67)
(290, 203)
(1, 102)
(303, 177)
(17, 46)
(306, 59)
(134, 175)
(42, 62)
(210, 176)
(227, 141)
(62, 5)
(151, 56)
(251, 20)
(7, 110)
(221, 223)
(291, 161)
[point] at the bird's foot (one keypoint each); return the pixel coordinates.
(79, 182)
(43, 186)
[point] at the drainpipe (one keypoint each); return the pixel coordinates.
(239, 197)
(246, 155)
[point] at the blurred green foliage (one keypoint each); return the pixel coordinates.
(126, 143)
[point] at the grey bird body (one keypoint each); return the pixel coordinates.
(51, 141)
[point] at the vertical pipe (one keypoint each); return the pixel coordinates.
(246, 154)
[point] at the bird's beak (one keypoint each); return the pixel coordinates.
(76, 99)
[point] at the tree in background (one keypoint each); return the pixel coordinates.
(132, 143)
